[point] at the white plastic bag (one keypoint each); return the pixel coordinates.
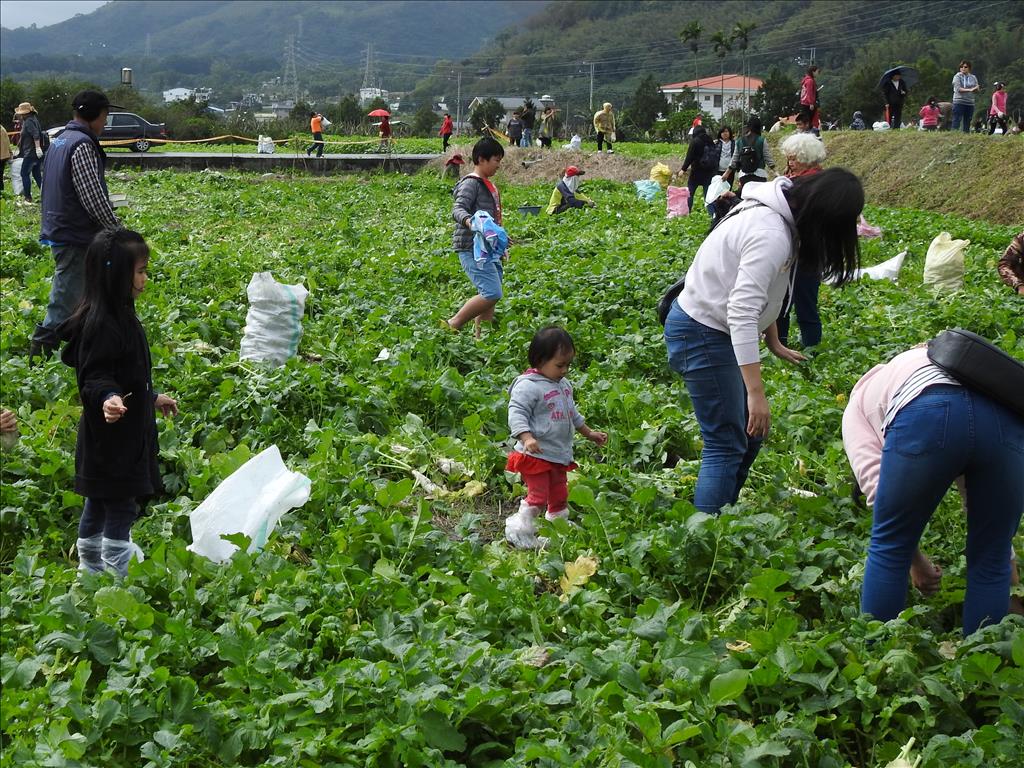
(324, 122)
(881, 125)
(887, 270)
(19, 188)
(265, 146)
(273, 326)
(944, 264)
(251, 501)
(716, 189)
(575, 143)
(678, 202)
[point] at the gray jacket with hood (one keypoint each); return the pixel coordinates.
(544, 408)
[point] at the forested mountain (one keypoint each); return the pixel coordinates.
(237, 44)
(852, 41)
(533, 47)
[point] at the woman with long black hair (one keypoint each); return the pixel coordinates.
(733, 293)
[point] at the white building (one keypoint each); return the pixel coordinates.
(200, 95)
(366, 95)
(717, 95)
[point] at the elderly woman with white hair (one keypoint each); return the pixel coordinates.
(804, 155)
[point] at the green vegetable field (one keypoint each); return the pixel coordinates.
(387, 626)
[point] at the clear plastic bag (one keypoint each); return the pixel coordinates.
(265, 146)
(273, 326)
(19, 188)
(251, 501)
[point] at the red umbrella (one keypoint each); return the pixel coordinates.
(380, 113)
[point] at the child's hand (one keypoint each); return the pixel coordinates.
(531, 445)
(598, 438)
(113, 409)
(168, 406)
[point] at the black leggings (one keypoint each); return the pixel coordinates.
(445, 138)
(111, 517)
(602, 140)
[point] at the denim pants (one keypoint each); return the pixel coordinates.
(65, 291)
(945, 432)
(111, 517)
(962, 113)
(527, 139)
(318, 144)
(705, 359)
(805, 300)
(30, 166)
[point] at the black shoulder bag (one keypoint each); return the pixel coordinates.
(980, 365)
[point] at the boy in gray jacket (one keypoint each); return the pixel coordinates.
(476, 192)
(543, 418)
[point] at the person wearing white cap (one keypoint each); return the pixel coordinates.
(30, 149)
(566, 194)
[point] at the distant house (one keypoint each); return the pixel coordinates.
(366, 95)
(199, 95)
(510, 103)
(736, 91)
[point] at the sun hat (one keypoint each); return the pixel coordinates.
(24, 108)
(455, 160)
(572, 170)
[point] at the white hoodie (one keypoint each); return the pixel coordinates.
(739, 277)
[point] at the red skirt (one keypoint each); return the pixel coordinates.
(531, 465)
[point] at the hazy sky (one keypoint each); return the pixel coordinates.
(24, 13)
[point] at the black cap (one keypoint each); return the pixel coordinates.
(92, 102)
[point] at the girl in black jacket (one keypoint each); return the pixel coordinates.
(700, 173)
(116, 452)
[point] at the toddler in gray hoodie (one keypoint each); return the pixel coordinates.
(543, 418)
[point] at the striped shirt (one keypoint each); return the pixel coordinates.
(919, 381)
(85, 176)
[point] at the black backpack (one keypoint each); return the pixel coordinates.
(980, 365)
(710, 157)
(751, 155)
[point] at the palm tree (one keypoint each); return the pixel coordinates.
(741, 34)
(722, 45)
(691, 36)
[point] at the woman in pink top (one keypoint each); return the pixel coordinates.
(997, 112)
(809, 97)
(930, 114)
(909, 431)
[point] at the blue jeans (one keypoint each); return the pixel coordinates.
(962, 113)
(527, 139)
(945, 432)
(30, 166)
(707, 363)
(65, 291)
(805, 300)
(111, 517)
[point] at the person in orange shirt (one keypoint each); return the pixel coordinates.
(316, 128)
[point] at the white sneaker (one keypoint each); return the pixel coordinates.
(560, 515)
(610, 151)
(521, 528)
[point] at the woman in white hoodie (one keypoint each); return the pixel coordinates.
(733, 293)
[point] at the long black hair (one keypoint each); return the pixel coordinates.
(109, 276)
(825, 207)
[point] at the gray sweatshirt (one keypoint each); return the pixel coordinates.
(544, 408)
(471, 195)
(960, 80)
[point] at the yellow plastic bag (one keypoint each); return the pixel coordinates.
(662, 174)
(944, 264)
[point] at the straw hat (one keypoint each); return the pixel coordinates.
(24, 108)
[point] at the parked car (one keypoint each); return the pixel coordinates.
(122, 126)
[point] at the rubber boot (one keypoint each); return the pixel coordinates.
(521, 528)
(90, 553)
(117, 553)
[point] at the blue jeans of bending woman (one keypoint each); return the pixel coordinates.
(947, 431)
(705, 359)
(805, 301)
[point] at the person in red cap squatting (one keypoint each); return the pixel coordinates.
(452, 165)
(76, 207)
(566, 195)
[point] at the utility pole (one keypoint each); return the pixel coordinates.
(591, 86)
(458, 105)
(369, 76)
(149, 45)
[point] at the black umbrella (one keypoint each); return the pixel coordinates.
(908, 73)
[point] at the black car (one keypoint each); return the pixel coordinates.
(122, 126)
